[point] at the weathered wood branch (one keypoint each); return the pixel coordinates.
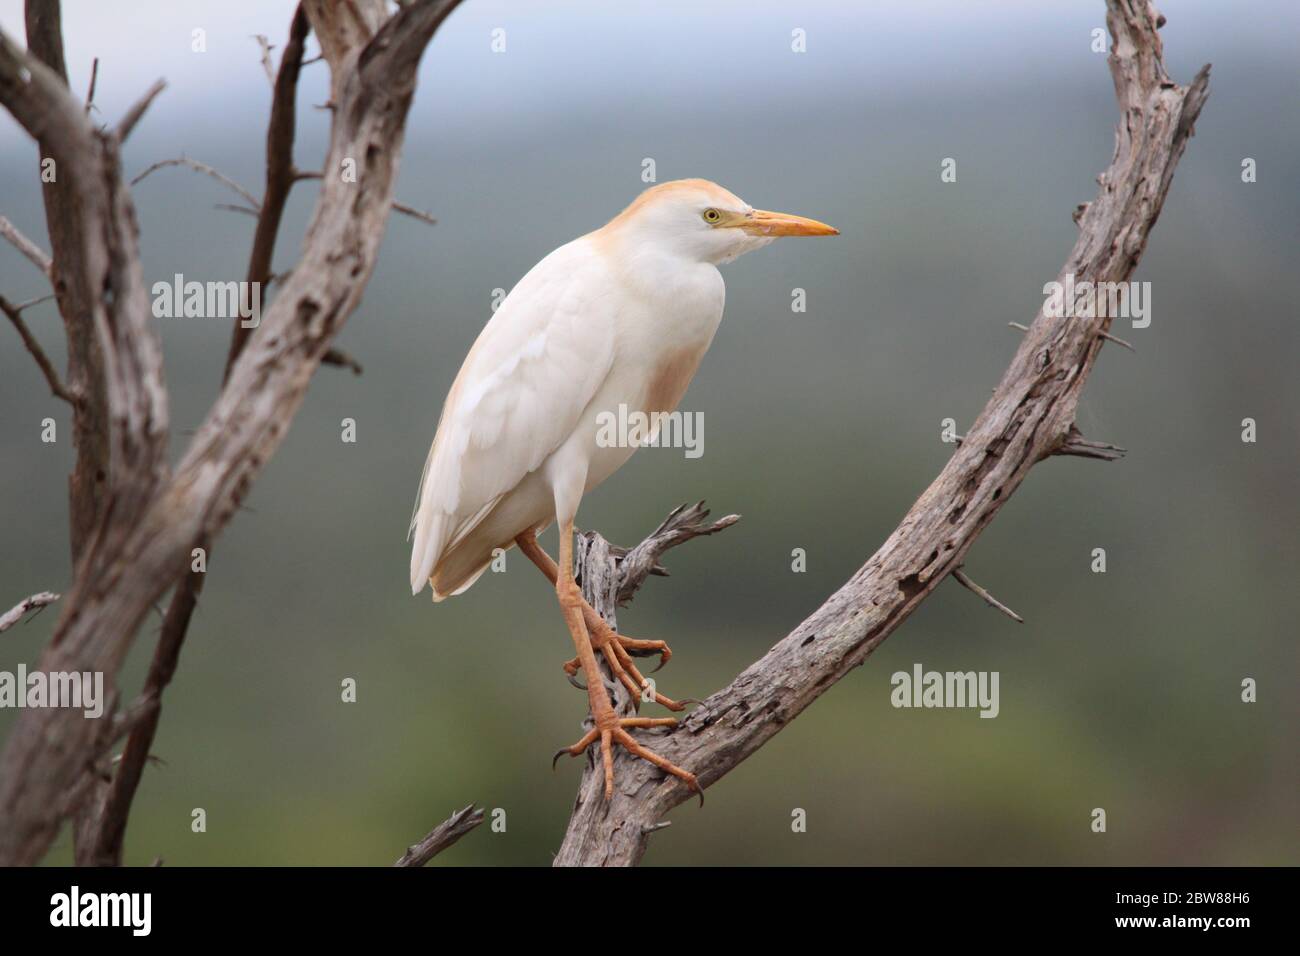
(1029, 417)
(66, 227)
(133, 115)
(100, 831)
(1076, 444)
(962, 578)
(90, 90)
(198, 167)
(120, 412)
(627, 568)
(422, 215)
(264, 45)
(30, 250)
(57, 388)
(102, 828)
(442, 836)
(340, 359)
(680, 526)
(610, 575)
(152, 518)
(280, 133)
(107, 277)
(84, 289)
(35, 602)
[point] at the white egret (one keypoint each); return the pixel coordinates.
(619, 317)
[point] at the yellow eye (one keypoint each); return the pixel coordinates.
(712, 216)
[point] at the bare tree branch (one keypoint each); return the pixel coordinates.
(235, 207)
(267, 65)
(101, 828)
(76, 276)
(964, 579)
(34, 603)
(109, 277)
(94, 78)
(105, 828)
(1105, 335)
(34, 253)
(424, 217)
(120, 416)
(109, 817)
(681, 525)
(34, 347)
(342, 29)
(1029, 417)
(280, 132)
(1076, 444)
(66, 226)
(206, 170)
(27, 304)
(137, 111)
(1117, 340)
(341, 359)
(154, 519)
(610, 575)
(441, 837)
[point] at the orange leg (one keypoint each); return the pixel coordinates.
(609, 728)
(614, 646)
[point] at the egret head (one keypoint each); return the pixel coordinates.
(700, 220)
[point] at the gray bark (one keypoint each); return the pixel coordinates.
(151, 516)
(441, 837)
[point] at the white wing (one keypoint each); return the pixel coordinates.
(519, 395)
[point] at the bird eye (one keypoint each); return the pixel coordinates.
(712, 215)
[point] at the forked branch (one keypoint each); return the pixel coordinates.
(1029, 417)
(441, 837)
(153, 516)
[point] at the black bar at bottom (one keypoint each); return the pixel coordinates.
(644, 907)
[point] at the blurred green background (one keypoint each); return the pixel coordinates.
(1121, 690)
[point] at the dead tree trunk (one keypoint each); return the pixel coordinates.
(150, 516)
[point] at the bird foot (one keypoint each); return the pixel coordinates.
(612, 730)
(618, 651)
(601, 632)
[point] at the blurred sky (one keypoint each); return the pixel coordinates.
(1120, 691)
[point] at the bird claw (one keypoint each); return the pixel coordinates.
(618, 652)
(640, 648)
(614, 732)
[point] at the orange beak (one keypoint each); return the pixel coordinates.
(764, 223)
